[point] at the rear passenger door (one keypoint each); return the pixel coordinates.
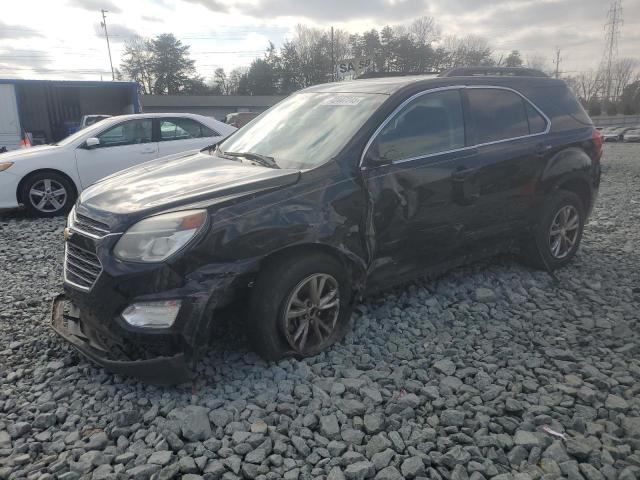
(181, 134)
(507, 133)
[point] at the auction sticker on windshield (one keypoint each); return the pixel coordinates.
(342, 100)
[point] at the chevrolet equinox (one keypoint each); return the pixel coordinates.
(337, 191)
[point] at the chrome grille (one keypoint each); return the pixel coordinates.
(89, 225)
(81, 267)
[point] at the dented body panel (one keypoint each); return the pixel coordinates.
(385, 223)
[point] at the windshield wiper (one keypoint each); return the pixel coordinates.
(263, 160)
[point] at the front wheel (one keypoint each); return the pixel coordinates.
(47, 194)
(558, 232)
(299, 306)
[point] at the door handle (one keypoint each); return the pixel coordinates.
(148, 150)
(463, 173)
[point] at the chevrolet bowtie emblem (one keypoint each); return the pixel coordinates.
(67, 233)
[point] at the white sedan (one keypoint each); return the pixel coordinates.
(48, 179)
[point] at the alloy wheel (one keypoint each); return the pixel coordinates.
(564, 230)
(47, 195)
(311, 313)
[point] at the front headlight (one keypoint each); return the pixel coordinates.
(155, 239)
(5, 165)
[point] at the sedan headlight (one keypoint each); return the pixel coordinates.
(155, 239)
(5, 165)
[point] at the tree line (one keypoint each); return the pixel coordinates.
(162, 65)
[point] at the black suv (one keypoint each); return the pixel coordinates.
(337, 191)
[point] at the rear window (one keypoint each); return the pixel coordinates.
(496, 114)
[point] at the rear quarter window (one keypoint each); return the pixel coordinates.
(559, 103)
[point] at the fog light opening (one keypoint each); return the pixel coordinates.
(152, 314)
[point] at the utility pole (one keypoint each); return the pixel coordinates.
(333, 60)
(557, 62)
(106, 34)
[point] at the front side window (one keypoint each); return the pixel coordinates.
(496, 114)
(183, 129)
(127, 133)
(432, 123)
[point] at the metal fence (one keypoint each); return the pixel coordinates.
(616, 121)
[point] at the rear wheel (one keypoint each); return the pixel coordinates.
(299, 306)
(558, 233)
(47, 194)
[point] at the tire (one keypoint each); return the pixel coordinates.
(270, 334)
(47, 184)
(543, 252)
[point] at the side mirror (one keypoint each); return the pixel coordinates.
(92, 142)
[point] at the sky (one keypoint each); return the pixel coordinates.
(64, 39)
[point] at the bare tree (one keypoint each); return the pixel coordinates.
(537, 62)
(586, 85)
(221, 81)
(424, 30)
(621, 75)
(137, 63)
(467, 51)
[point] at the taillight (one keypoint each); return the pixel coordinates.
(597, 142)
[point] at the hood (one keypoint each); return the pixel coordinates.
(22, 154)
(179, 180)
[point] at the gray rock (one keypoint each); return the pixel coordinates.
(412, 467)
(445, 366)
(352, 407)
(45, 420)
(485, 295)
(526, 439)
(590, 472)
(195, 423)
(329, 427)
(389, 473)
(452, 418)
(142, 472)
(187, 464)
(161, 458)
(220, 417)
(556, 451)
(97, 441)
(335, 474)
(613, 402)
(382, 459)
(374, 422)
(18, 429)
(124, 418)
(359, 470)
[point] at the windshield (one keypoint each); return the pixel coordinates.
(85, 132)
(306, 129)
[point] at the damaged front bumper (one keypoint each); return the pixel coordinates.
(161, 370)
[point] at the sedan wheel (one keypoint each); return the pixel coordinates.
(311, 313)
(48, 196)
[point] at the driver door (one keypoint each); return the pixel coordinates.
(120, 146)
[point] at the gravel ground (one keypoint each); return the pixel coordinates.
(453, 378)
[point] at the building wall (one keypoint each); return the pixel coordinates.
(217, 106)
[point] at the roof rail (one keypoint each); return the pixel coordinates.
(493, 71)
(366, 75)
